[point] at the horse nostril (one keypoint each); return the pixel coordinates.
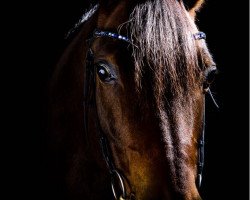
(132, 196)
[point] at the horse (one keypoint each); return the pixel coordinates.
(127, 103)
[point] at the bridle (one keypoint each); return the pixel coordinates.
(117, 180)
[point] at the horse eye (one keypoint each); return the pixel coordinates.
(104, 73)
(210, 75)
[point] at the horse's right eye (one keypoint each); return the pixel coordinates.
(104, 73)
(210, 75)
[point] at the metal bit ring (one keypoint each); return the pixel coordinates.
(116, 176)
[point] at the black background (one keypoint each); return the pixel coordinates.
(36, 41)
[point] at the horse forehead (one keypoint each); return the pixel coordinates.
(112, 18)
(107, 47)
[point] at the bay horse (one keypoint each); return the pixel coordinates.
(127, 103)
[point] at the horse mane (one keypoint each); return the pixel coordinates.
(162, 34)
(85, 17)
(89, 13)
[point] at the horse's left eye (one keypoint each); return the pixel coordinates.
(210, 75)
(104, 73)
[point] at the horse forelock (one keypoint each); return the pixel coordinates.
(162, 34)
(166, 55)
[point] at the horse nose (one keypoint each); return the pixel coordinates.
(180, 197)
(190, 193)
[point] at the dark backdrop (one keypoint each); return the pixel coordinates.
(38, 42)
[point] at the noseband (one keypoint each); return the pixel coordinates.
(117, 180)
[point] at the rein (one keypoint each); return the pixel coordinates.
(117, 180)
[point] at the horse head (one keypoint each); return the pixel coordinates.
(144, 69)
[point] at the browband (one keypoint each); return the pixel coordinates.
(99, 33)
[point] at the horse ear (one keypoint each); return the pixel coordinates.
(193, 6)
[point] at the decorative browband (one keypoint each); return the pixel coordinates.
(99, 33)
(199, 36)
